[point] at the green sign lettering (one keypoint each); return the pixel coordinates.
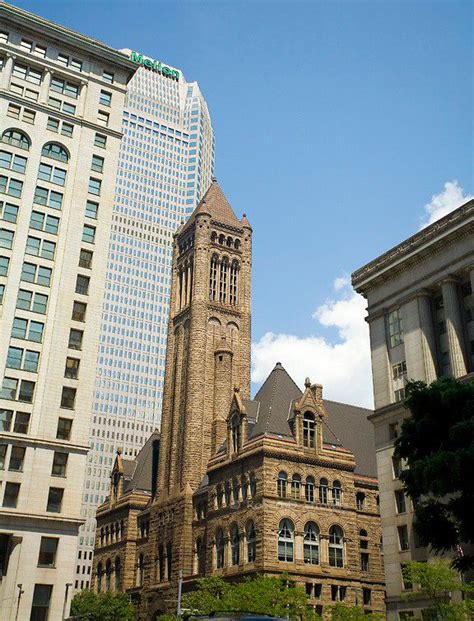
(154, 65)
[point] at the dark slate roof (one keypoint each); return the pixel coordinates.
(141, 467)
(345, 425)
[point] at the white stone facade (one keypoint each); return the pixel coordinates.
(61, 89)
(429, 281)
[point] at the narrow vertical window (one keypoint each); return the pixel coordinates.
(234, 269)
(309, 430)
(219, 549)
(311, 544)
(251, 543)
(223, 281)
(282, 484)
(285, 541)
(213, 279)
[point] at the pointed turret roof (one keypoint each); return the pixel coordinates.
(217, 206)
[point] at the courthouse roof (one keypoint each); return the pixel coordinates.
(217, 206)
(345, 425)
(137, 473)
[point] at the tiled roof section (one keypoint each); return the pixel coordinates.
(346, 426)
(143, 465)
(274, 399)
(217, 206)
(251, 409)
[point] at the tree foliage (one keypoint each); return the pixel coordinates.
(103, 606)
(343, 612)
(261, 595)
(437, 442)
(436, 581)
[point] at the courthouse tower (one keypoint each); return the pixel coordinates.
(208, 354)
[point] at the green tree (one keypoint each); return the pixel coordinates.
(103, 606)
(343, 612)
(437, 443)
(261, 595)
(436, 581)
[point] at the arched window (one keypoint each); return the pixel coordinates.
(235, 544)
(323, 491)
(99, 577)
(251, 542)
(336, 493)
(16, 138)
(223, 280)
(360, 500)
(108, 573)
(55, 151)
(309, 430)
(245, 487)
(235, 491)
(311, 544)
(220, 549)
(229, 242)
(309, 489)
(282, 484)
(237, 244)
(221, 239)
(214, 237)
(213, 278)
(234, 270)
(117, 574)
(296, 486)
(140, 570)
(235, 428)
(286, 541)
(112, 532)
(253, 485)
(336, 546)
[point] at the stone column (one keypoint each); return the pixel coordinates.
(45, 86)
(299, 546)
(381, 372)
(81, 107)
(7, 70)
(454, 327)
(427, 335)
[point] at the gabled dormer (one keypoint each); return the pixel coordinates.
(306, 417)
(237, 424)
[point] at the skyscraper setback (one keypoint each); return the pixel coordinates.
(165, 165)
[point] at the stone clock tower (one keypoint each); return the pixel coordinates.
(208, 354)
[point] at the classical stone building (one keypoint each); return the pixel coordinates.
(420, 313)
(282, 482)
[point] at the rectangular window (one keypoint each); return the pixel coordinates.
(17, 458)
(103, 118)
(97, 163)
(9, 388)
(6, 417)
(10, 498)
(47, 553)
(2, 293)
(92, 209)
(22, 422)
(67, 129)
(63, 431)
(399, 395)
(85, 259)
(79, 311)
(82, 284)
(100, 141)
(55, 499)
(17, 163)
(11, 187)
(88, 234)
(105, 98)
(8, 212)
(50, 198)
(52, 124)
(27, 73)
(400, 501)
(4, 263)
(94, 186)
(366, 597)
(364, 561)
(403, 537)
(72, 368)
(397, 466)
(40, 50)
(26, 392)
(108, 77)
(406, 579)
(6, 239)
(52, 174)
(59, 464)
(64, 87)
(42, 222)
(14, 111)
(26, 45)
(41, 600)
(68, 397)
(29, 116)
(75, 339)
(3, 453)
(393, 431)
(399, 370)
(395, 328)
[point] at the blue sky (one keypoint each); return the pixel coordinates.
(336, 123)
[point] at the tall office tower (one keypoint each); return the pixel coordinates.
(166, 164)
(420, 313)
(61, 102)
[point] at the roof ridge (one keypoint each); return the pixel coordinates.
(351, 405)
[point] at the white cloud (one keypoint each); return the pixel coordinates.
(342, 367)
(441, 204)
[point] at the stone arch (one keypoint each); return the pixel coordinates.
(16, 138)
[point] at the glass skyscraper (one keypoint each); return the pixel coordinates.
(166, 164)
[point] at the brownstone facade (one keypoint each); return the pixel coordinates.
(283, 482)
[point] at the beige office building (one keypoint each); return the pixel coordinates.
(420, 313)
(61, 103)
